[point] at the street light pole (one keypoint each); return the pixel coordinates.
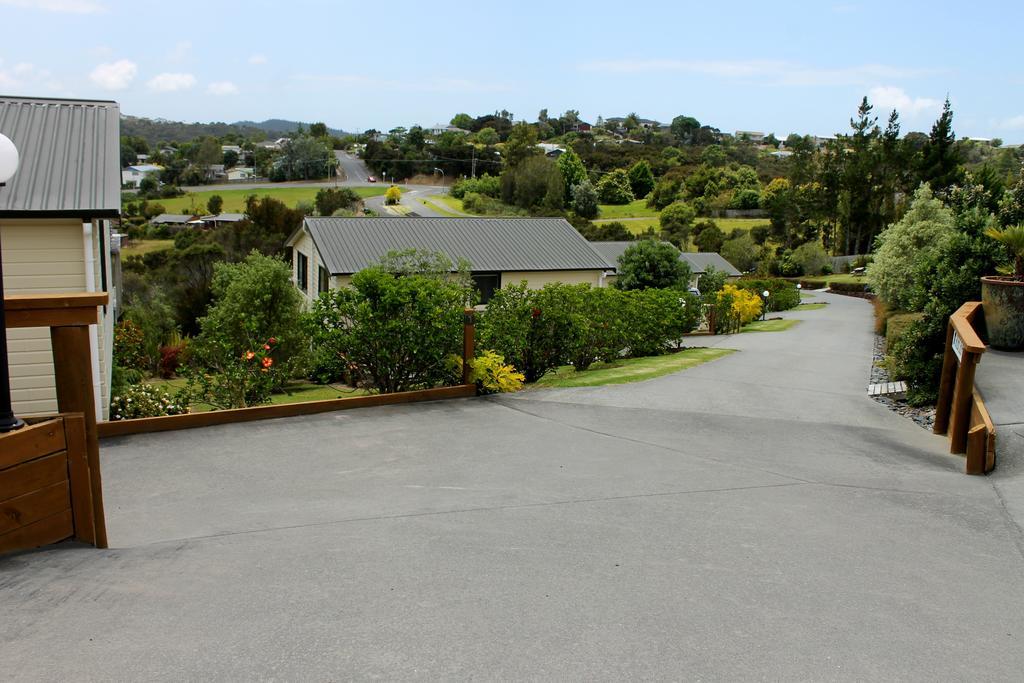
(441, 171)
(764, 309)
(8, 422)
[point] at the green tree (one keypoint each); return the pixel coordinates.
(520, 145)
(811, 257)
(675, 221)
(641, 179)
(214, 204)
(584, 200)
(330, 199)
(487, 136)
(318, 130)
(684, 127)
(268, 224)
(573, 172)
(740, 251)
(903, 246)
(650, 264)
(209, 152)
(710, 239)
(613, 188)
(940, 161)
(464, 121)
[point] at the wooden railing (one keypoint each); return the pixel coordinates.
(960, 410)
(69, 316)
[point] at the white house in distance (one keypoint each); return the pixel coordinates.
(326, 252)
(133, 175)
(55, 216)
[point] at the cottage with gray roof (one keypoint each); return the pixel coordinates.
(55, 226)
(326, 252)
(698, 262)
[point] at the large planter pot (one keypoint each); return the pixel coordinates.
(1003, 301)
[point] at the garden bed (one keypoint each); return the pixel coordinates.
(922, 416)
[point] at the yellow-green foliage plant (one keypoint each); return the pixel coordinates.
(740, 306)
(493, 375)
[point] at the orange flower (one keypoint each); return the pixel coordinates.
(249, 355)
(266, 346)
(267, 362)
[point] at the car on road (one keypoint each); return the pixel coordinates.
(371, 179)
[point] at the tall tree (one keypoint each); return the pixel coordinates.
(940, 162)
(521, 144)
(573, 171)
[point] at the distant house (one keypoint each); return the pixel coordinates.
(326, 252)
(754, 136)
(174, 221)
(551, 150)
(698, 262)
(237, 149)
(442, 128)
(216, 172)
(273, 144)
(133, 175)
(217, 220)
(581, 127)
(619, 123)
(55, 225)
(782, 153)
(240, 173)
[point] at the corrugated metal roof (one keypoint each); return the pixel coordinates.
(698, 261)
(171, 218)
(348, 245)
(69, 157)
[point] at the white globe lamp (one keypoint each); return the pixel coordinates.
(8, 159)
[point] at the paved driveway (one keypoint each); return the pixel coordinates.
(756, 517)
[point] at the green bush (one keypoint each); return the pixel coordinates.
(650, 264)
(614, 188)
(782, 294)
(146, 400)
(896, 325)
(392, 333)
(130, 346)
(487, 185)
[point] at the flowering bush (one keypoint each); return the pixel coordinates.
(130, 346)
(146, 400)
(243, 381)
(735, 308)
(171, 357)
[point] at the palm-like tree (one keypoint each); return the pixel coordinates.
(1013, 239)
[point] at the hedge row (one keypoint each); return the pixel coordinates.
(540, 330)
(782, 294)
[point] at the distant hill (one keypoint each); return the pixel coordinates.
(283, 126)
(155, 131)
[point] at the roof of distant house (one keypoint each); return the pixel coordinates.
(172, 218)
(698, 262)
(70, 157)
(145, 168)
(349, 245)
(224, 217)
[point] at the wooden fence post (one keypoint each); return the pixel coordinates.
(977, 450)
(949, 372)
(960, 412)
(468, 340)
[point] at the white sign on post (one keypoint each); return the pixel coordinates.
(958, 346)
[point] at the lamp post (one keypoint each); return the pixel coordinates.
(8, 423)
(764, 309)
(441, 171)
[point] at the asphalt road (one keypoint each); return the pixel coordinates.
(757, 517)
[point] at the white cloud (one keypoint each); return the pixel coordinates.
(28, 77)
(258, 59)
(764, 71)
(1013, 123)
(114, 75)
(887, 98)
(222, 88)
(61, 6)
(171, 82)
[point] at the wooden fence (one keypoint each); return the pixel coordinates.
(68, 316)
(960, 410)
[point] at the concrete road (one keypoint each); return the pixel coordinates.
(757, 517)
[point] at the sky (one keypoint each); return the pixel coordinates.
(777, 66)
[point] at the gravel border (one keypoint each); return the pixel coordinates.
(924, 416)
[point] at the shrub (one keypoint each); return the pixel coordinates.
(782, 294)
(330, 200)
(393, 195)
(146, 400)
(614, 188)
(584, 200)
(897, 325)
(487, 185)
(130, 346)
(740, 251)
(255, 307)
(641, 179)
(326, 367)
(711, 281)
(849, 287)
(492, 375)
(734, 308)
(650, 264)
(393, 333)
(488, 206)
(811, 257)
(676, 221)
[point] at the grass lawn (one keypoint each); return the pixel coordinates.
(777, 325)
(299, 392)
(630, 369)
(635, 209)
(140, 247)
(440, 202)
(637, 227)
(846, 278)
(810, 307)
(234, 200)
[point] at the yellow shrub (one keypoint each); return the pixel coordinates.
(739, 306)
(393, 195)
(494, 375)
